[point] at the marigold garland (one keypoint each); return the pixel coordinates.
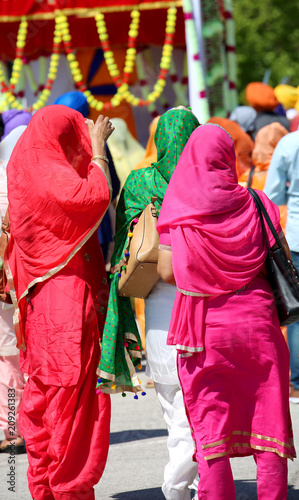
(52, 73)
(8, 88)
(62, 34)
(121, 82)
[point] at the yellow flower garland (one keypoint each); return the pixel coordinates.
(122, 83)
(62, 33)
(9, 99)
(52, 73)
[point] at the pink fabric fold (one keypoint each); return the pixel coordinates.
(211, 218)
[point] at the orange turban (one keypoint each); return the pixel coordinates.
(243, 146)
(261, 96)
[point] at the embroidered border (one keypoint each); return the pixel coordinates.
(189, 349)
(249, 445)
(165, 247)
(49, 274)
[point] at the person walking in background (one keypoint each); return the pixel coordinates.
(282, 187)
(234, 372)
(245, 116)
(173, 130)
(266, 141)
(57, 198)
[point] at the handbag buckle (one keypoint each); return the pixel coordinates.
(153, 208)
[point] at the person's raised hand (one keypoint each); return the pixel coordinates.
(99, 131)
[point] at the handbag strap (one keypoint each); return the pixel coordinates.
(250, 176)
(263, 212)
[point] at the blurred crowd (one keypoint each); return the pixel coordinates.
(265, 135)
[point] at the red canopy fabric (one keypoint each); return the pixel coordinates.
(15, 8)
(41, 14)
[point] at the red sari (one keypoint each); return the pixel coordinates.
(57, 278)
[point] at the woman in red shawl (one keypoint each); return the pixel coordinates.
(57, 199)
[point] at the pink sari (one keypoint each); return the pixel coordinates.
(233, 363)
(58, 283)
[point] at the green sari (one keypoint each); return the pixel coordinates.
(121, 346)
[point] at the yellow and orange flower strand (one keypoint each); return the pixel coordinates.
(62, 34)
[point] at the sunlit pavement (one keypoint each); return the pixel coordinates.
(138, 454)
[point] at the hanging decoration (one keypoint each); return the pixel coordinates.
(197, 69)
(181, 98)
(140, 66)
(163, 101)
(230, 47)
(9, 99)
(212, 73)
(62, 34)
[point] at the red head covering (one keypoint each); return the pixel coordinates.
(212, 220)
(294, 124)
(261, 96)
(243, 144)
(54, 207)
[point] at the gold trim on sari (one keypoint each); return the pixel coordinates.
(46, 276)
(249, 445)
(189, 349)
(134, 378)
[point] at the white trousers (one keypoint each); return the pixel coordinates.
(180, 472)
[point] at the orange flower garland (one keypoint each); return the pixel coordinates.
(62, 34)
(9, 98)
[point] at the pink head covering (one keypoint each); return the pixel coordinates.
(212, 220)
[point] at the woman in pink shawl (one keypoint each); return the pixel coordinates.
(233, 361)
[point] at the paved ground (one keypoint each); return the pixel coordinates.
(138, 454)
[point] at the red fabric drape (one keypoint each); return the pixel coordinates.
(16, 8)
(56, 197)
(83, 29)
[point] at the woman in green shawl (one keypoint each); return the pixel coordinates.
(121, 346)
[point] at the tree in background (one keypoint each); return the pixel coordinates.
(267, 38)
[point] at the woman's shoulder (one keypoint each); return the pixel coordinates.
(137, 176)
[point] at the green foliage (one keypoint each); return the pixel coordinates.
(267, 37)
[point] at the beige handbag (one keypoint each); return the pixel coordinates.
(140, 274)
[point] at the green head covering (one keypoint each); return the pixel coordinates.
(121, 346)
